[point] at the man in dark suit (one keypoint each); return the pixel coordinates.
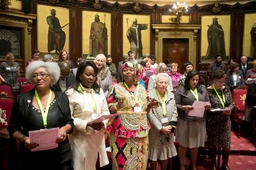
(66, 78)
(244, 65)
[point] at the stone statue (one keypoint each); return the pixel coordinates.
(98, 41)
(56, 36)
(216, 43)
(134, 36)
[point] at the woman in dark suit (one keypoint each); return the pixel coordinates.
(234, 77)
(191, 130)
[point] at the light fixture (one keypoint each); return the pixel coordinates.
(4, 4)
(178, 9)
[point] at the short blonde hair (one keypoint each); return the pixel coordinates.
(8, 56)
(174, 64)
(253, 62)
(160, 65)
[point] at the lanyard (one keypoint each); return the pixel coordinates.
(94, 103)
(222, 100)
(195, 94)
(162, 102)
(44, 113)
(133, 94)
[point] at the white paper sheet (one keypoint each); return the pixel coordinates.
(198, 110)
(102, 118)
(149, 73)
(218, 109)
(46, 138)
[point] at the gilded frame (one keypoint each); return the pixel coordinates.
(249, 22)
(206, 21)
(145, 34)
(43, 11)
(88, 18)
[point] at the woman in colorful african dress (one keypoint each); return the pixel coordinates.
(218, 124)
(128, 132)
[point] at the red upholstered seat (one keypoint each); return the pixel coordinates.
(6, 104)
(26, 87)
(6, 90)
(239, 96)
(22, 80)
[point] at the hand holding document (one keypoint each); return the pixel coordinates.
(46, 138)
(250, 80)
(102, 118)
(199, 109)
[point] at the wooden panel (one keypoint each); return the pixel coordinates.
(176, 50)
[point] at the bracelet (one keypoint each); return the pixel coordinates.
(22, 139)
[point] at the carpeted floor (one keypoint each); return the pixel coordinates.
(243, 156)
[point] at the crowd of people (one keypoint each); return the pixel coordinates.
(144, 107)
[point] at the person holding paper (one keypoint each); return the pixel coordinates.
(163, 120)
(162, 68)
(42, 108)
(148, 70)
(128, 132)
(191, 130)
(218, 123)
(87, 102)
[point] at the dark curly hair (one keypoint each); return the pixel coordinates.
(218, 74)
(80, 71)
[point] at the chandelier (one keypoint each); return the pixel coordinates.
(178, 9)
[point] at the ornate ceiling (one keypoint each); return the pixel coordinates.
(188, 2)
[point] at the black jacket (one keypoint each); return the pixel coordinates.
(19, 117)
(70, 80)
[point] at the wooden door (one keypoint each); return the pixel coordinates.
(176, 49)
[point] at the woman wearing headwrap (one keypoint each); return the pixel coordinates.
(128, 132)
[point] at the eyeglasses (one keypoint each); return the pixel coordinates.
(42, 76)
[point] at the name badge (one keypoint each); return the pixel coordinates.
(94, 116)
(8, 68)
(137, 109)
(164, 120)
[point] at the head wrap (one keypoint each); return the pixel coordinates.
(128, 64)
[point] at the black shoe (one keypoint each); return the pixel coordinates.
(225, 167)
(213, 167)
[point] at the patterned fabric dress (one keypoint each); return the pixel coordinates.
(218, 125)
(129, 131)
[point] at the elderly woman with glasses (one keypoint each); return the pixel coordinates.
(42, 108)
(218, 123)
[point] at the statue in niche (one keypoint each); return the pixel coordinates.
(216, 43)
(56, 36)
(253, 41)
(98, 40)
(134, 36)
